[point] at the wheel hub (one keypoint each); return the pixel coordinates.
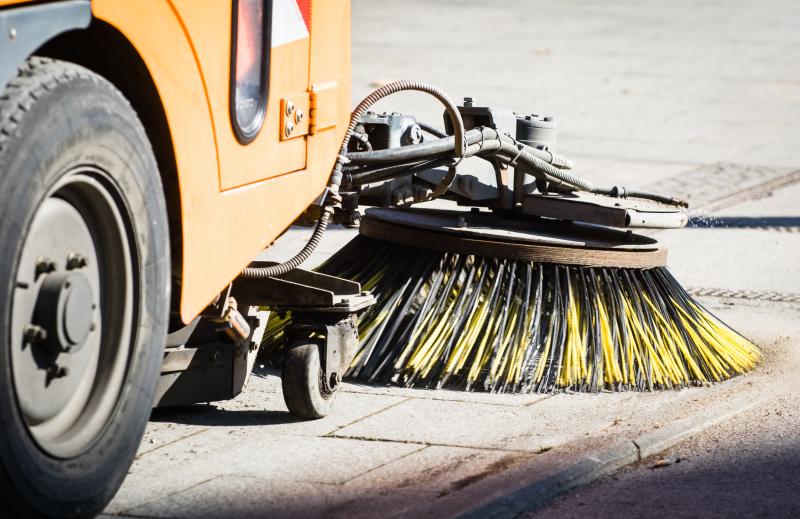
(64, 311)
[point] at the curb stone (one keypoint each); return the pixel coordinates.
(537, 494)
(592, 467)
(669, 435)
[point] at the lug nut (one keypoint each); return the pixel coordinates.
(34, 333)
(44, 265)
(54, 372)
(76, 261)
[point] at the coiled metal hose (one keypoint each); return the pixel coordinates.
(333, 198)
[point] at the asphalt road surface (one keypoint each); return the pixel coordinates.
(747, 467)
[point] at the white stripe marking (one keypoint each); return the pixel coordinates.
(287, 23)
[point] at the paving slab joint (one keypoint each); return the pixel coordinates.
(638, 450)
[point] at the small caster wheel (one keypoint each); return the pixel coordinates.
(303, 391)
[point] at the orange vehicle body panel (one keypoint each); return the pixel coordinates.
(235, 199)
(267, 156)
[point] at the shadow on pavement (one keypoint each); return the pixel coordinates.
(210, 415)
(763, 482)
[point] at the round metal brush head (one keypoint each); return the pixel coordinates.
(486, 234)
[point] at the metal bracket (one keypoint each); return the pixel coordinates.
(340, 335)
(302, 290)
(26, 28)
(295, 120)
(323, 307)
(605, 210)
(324, 106)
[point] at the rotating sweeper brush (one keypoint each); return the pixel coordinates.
(539, 285)
(478, 302)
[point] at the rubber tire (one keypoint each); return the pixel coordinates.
(301, 382)
(68, 116)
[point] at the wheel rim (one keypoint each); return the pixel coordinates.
(73, 312)
(324, 393)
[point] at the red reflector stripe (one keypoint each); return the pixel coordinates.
(305, 10)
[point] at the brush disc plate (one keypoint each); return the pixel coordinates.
(487, 234)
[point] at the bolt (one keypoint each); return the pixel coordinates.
(44, 265)
(288, 128)
(12, 34)
(54, 371)
(413, 135)
(461, 222)
(34, 333)
(289, 108)
(298, 117)
(67, 284)
(354, 219)
(216, 355)
(76, 261)
(92, 327)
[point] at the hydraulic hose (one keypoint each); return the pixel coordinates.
(483, 142)
(388, 172)
(515, 153)
(426, 150)
(333, 199)
(621, 192)
(421, 151)
(425, 127)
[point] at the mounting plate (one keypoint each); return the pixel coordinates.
(534, 239)
(605, 210)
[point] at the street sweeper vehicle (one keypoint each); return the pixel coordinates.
(149, 151)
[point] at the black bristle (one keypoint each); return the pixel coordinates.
(466, 322)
